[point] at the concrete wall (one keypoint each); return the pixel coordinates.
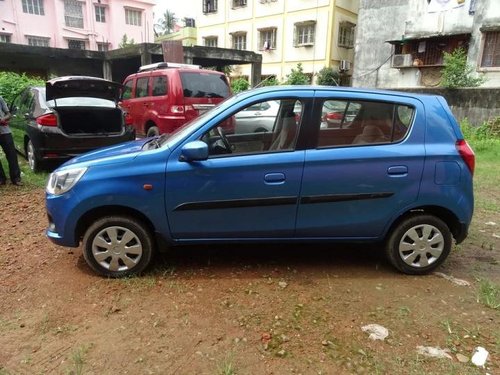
(476, 104)
(382, 20)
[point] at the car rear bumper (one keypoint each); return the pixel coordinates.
(60, 147)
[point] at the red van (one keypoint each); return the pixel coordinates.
(164, 96)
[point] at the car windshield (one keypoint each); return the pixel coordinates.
(190, 126)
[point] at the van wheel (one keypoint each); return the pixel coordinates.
(118, 246)
(153, 131)
(33, 161)
(419, 244)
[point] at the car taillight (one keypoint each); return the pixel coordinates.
(47, 120)
(335, 115)
(467, 154)
(177, 109)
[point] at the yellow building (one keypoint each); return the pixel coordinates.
(315, 33)
(186, 34)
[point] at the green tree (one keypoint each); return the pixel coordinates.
(328, 77)
(456, 71)
(239, 85)
(11, 84)
(269, 81)
(297, 77)
(167, 22)
(125, 42)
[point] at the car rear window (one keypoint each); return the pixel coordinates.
(204, 85)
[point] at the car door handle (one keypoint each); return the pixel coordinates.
(397, 170)
(257, 114)
(274, 178)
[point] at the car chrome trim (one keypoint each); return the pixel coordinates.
(343, 197)
(236, 203)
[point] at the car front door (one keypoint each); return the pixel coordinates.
(357, 179)
(248, 188)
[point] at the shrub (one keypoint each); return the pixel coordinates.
(239, 85)
(328, 77)
(269, 81)
(297, 76)
(11, 84)
(456, 71)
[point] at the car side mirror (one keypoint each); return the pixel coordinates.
(194, 151)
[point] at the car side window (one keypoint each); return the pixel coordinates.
(273, 128)
(141, 88)
(354, 123)
(159, 86)
(127, 90)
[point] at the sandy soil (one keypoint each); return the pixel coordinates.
(237, 309)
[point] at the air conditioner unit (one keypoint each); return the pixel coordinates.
(400, 61)
(344, 65)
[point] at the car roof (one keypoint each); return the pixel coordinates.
(336, 89)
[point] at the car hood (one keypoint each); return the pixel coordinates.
(82, 86)
(110, 155)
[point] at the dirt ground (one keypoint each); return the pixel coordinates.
(237, 309)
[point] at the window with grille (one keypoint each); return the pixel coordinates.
(133, 17)
(76, 44)
(210, 41)
(73, 13)
(239, 3)
(4, 38)
(209, 6)
(267, 39)
(33, 7)
(304, 33)
(491, 50)
(346, 35)
(38, 41)
(103, 47)
(100, 13)
(240, 41)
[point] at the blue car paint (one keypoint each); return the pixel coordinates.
(116, 178)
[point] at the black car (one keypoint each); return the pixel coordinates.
(69, 116)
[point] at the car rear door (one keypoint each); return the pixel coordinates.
(353, 190)
(202, 90)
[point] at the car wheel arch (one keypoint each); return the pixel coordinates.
(148, 125)
(97, 213)
(441, 213)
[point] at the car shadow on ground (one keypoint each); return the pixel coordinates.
(223, 260)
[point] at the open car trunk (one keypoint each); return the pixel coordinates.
(90, 120)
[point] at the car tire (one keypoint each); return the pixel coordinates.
(105, 253)
(418, 244)
(33, 161)
(153, 131)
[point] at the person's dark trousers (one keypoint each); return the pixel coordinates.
(7, 144)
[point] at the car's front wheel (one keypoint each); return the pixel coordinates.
(118, 246)
(419, 244)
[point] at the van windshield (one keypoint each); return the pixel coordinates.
(204, 85)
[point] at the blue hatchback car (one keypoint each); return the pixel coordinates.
(395, 169)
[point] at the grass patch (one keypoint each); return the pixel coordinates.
(78, 359)
(227, 367)
(489, 294)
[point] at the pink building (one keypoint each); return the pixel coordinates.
(78, 24)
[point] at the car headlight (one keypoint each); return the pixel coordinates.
(61, 181)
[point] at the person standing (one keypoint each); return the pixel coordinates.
(7, 144)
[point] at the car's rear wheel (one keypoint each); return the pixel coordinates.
(153, 131)
(118, 246)
(419, 244)
(33, 161)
